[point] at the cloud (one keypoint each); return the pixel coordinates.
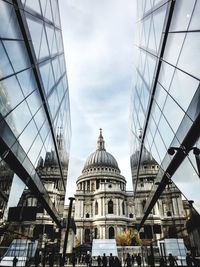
(98, 39)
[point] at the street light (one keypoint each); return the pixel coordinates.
(196, 151)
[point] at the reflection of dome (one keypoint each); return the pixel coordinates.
(100, 157)
(146, 158)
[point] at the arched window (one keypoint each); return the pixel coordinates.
(131, 215)
(169, 214)
(87, 235)
(111, 233)
(96, 208)
(123, 208)
(110, 207)
(87, 215)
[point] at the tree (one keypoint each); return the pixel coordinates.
(128, 238)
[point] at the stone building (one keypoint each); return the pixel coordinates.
(104, 209)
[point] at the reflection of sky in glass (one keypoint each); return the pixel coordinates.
(175, 105)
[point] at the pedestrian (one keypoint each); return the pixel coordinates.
(15, 260)
(87, 259)
(132, 260)
(51, 259)
(99, 260)
(104, 260)
(162, 262)
(111, 260)
(138, 260)
(128, 260)
(189, 261)
(116, 262)
(172, 260)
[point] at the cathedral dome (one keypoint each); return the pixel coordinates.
(101, 157)
(146, 159)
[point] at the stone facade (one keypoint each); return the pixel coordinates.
(104, 209)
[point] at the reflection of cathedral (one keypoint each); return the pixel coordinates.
(34, 220)
(104, 209)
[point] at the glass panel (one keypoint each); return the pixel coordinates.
(17, 53)
(9, 27)
(44, 130)
(159, 143)
(44, 51)
(28, 135)
(183, 88)
(170, 110)
(195, 22)
(160, 96)
(166, 75)
(47, 76)
(35, 28)
(34, 101)
(182, 15)
(43, 6)
(21, 111)
(35, 150)
(39, 118)
(188, 182)
(33, 5)
(27, 81)
(48, 13)
(173, 47)
(10, 95)
(169, 135)
(50, 36)
(190, 55)
(5, 67)
(158, 22)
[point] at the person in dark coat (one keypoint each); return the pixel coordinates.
(189, 261)
(132, 260)
(117, 262)
(111, 260)
(104, 260)
(99, 260)
(128, 260)
(87, 259)
(162, 262)
(172, 260)
(15, 260)
(138, 260)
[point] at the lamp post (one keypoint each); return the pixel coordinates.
(196, 151)
(71, 199)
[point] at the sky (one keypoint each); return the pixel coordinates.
(99, 40)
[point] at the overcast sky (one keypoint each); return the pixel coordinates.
(98, 38)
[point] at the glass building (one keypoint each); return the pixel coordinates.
(165, 115)
(34, 96)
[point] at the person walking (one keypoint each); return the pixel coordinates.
(128, 260)
(111, 260)
(138, 260)
(104, 260)
(162, 262)
(172, 260)
(132, 260)
(189, 261)
(15, 260)
(87, 259)
(117, 262)
(99, 261)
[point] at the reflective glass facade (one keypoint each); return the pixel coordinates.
(165, 100)
(34, 97)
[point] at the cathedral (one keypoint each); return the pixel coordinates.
(105, 210)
